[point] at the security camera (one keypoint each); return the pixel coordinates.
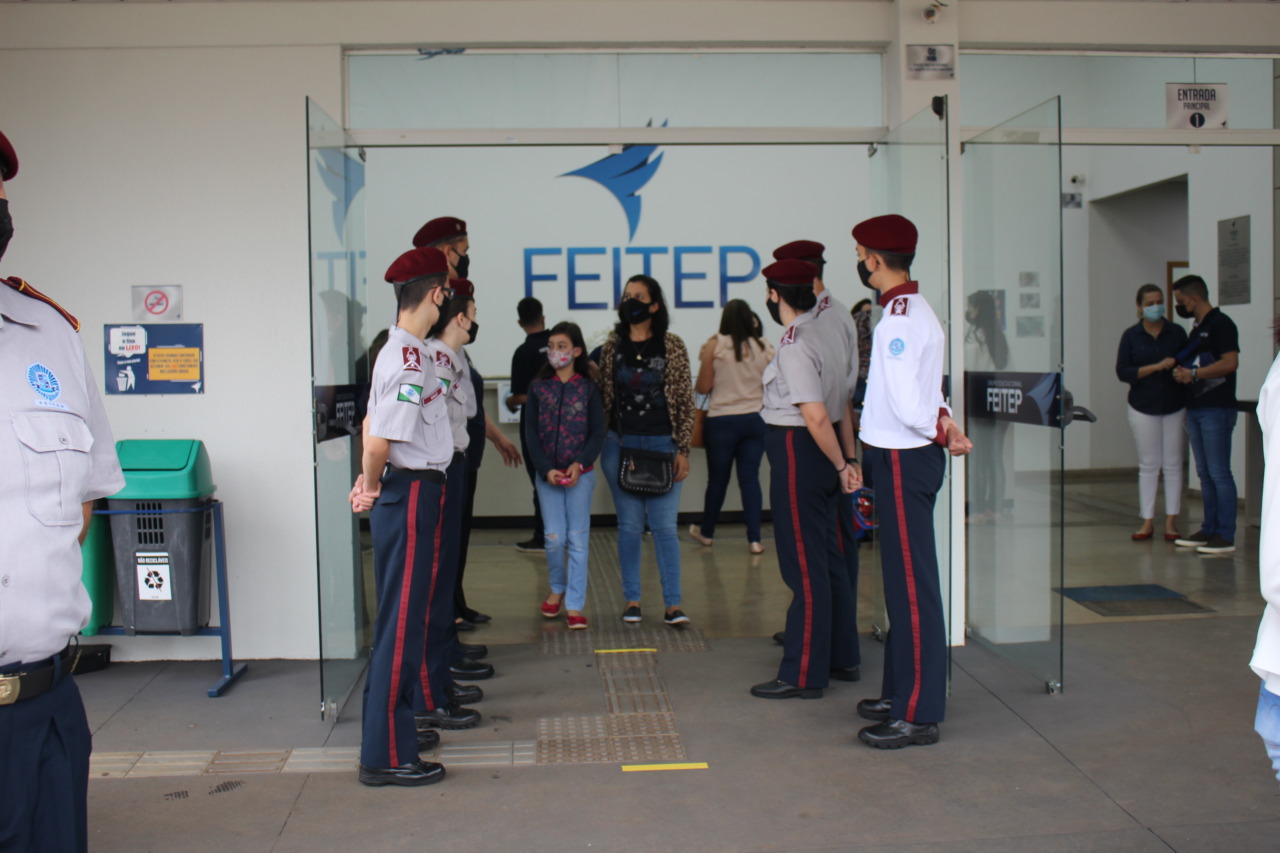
(931, 14)
(1077, 180)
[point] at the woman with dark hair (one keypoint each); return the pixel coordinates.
(648, 404)
(732, 364)
(1157, 408)
(986, 350)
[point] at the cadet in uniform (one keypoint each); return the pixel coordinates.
(905, 425)
(408, 444)
(840, 338)
(808, 471)
(57, 458)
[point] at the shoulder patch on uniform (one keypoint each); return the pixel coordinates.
(899, 306)
(897, 347)
(412, 359)
(27, 290)
(788, 337)
(410, 394)
(824, 303)
(443, 360)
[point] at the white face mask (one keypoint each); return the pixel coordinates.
(559, 358)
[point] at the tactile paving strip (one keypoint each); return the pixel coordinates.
(243, 761)
(608, 739)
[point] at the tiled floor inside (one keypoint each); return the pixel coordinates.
(622, 738)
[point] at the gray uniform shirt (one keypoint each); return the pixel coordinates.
(840, 340)
(455, 375)
(56, 452)
(801, 372)
(407, 404)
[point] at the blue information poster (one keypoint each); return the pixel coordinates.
(154, 358)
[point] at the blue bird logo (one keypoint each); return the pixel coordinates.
(624, 174)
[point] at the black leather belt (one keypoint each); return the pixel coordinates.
(30, 683)
(431, 475)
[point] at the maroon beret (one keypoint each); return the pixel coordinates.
(8, 159)
(417, 263)
(444, 228)
(890, 233)
(790, 273)
(804, 250)
(462, 287)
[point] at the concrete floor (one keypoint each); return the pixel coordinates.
(1150, 747)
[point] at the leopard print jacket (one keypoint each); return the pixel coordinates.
(678, 383)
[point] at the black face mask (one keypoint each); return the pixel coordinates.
(865, 275)
(775, 311)
(633, 311)
(472, 332)
(1184, 313)
(463, 265)
(6, 226)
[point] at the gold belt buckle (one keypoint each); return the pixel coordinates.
(10, 686)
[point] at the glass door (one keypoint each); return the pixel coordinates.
(909, 176)
(341, 361)
(1014, 389)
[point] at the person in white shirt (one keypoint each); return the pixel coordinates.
(1266, 653)
(904, 427)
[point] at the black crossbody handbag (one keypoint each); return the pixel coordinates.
(648, 473)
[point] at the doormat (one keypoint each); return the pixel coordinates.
(1147, 599)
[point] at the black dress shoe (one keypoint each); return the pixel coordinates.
(470, 670)
(895, 734)
(875, 709)
(477, 617)
(780, 638)
(464, 625)
(409, 775)
(475, 651)
(452, 716)
(464, 693)
(428, 739)
(782, 690)
(848, 673)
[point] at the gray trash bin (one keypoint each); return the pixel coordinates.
(163, 560)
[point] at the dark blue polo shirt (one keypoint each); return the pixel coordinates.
(1213, 337)
(1156, 393)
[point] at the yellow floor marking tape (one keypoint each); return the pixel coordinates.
(622, 651)
(635, 768)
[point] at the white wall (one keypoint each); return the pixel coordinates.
(189, 167)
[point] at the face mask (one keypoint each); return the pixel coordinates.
(559, 358)
(6, 225)
(633, 311)
(1184, 313)
(865, 275)
(1153, 313)
(472, 332)
(774, 311)
(463, 265)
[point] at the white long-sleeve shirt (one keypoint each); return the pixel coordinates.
(904, 385)
(1266, 653)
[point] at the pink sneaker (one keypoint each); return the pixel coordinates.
(576, 622)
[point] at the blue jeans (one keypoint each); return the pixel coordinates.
(634, 510)
(729, 438)
(566, 520)
(1209, 430)
(1267, 724)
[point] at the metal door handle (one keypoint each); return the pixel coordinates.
(1071, 412)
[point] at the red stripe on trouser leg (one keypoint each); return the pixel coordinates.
(806, 644)
(402, 618)
(425, 676)
(912, 602)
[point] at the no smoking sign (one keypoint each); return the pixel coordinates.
(157, 303)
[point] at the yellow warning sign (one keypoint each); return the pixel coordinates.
(173, 364)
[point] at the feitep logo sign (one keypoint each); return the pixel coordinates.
(624, 175)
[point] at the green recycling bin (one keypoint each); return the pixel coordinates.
(98, 574)
(163, 558)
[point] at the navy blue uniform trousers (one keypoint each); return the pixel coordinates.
(804, 491)
(440, 631)
(407, 524)
(44, 771)
(906, 484)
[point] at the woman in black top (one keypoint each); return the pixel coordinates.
(1157, 408)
